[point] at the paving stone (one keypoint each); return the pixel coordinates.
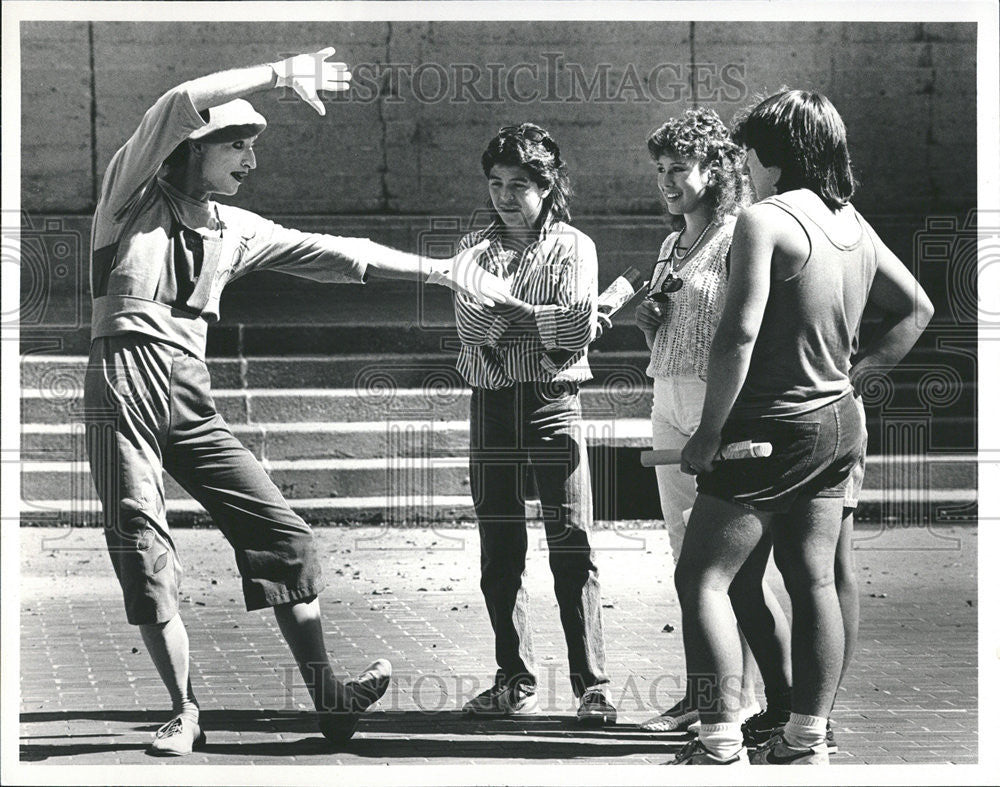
(87, 699)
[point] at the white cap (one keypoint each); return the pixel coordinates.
(237, 112)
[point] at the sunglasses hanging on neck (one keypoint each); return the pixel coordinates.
(668, 286)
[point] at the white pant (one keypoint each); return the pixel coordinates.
(677, 403)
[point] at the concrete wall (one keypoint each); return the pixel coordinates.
(406, 142)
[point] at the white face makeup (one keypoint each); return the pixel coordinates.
(224, 166)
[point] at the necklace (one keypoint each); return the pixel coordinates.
(678, 256)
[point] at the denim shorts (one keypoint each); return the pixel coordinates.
(852, 491)
(813, 455)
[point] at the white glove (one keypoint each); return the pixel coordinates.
(465, 275)
(308, 74)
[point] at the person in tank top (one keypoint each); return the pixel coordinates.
(699, 173)
(804, 264)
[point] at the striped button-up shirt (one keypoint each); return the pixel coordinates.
(558, 275)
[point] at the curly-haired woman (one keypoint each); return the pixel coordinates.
(700, 176)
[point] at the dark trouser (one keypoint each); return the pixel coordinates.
(510, 428)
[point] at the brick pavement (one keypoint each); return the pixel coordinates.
(90, 696)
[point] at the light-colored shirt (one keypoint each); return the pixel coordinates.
(683, 341)
(160, 258)
(558, 274)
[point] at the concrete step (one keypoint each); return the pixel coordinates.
(284, 444)
(913, 383)
(377, 402)
(419, 476)
(345, 440)
(934, 507)
(360, 372)
(381, 402)
(398, 318)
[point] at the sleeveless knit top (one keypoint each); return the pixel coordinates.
(810, 324)
(682, 342)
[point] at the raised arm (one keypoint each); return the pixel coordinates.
(181, 110)
(306, 74)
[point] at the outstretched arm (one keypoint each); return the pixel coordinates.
(330, 258)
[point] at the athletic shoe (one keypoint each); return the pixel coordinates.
(777, 752)
(761, 727)
(695, 753)
(678, 719)
(500, 700)
(177, 737)
(595, 710)
(486, 703)
(831, 744)
(364, 691)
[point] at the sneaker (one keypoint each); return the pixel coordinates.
(500, 700)
(595, 710)
(831, 744)
(364, 691)
(695, 753)
(177, 737)
(486, 703)
(777, 752)
(369, 687)
(678, 719)
(761, 727)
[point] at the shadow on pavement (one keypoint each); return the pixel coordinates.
(408, 734)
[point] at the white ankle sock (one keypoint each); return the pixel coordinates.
(724, 740)
(804, 732)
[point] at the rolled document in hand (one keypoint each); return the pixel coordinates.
(747, 449)
(609, 302)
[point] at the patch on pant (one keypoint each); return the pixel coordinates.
(161, 562)
(145, 539)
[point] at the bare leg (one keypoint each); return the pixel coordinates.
(302, 628)
(167, 644)
(720, 538)
(763, 623)
(805, 542)
(847, 589)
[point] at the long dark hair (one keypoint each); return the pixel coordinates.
(802, 133)
(700, 134)
(530, 146)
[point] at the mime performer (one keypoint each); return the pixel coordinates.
(162, 251)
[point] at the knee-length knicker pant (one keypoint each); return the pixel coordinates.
(149, 408)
